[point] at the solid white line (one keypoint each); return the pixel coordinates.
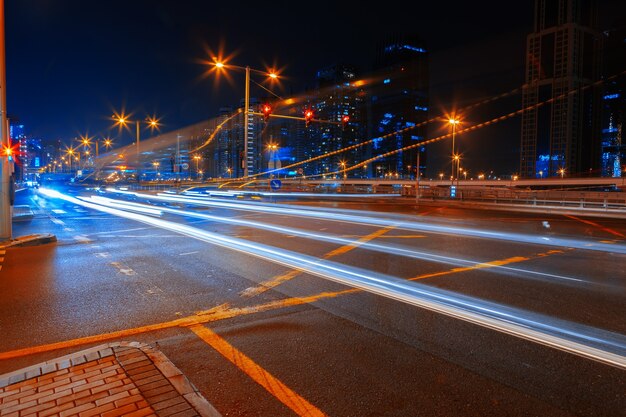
(57, 221)
(59, 211)
(187, 253)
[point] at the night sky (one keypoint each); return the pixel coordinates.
(71, 63)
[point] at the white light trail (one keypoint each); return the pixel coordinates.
(395, 250)
(364, 219)
(585, 341)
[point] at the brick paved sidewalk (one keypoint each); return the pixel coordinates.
(116, 379)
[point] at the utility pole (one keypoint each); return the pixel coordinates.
(5, 165)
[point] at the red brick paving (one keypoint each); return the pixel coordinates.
(123, 379)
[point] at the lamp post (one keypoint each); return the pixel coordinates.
(107, 144)
(123, 120)
(452, 121)
(197, 159)
(246, 110)
(562, 172)
(272, 147)
(156, 167)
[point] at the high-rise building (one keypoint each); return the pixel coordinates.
(561, 118)
(614, 101)
(336, 97)
(397, 102)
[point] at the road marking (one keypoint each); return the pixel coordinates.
(482, 265)
(123, 269)
(277, 280)
(221, 312)
(103, 254)
(599, 226)
(403, 237)
(188, 253)
(59, 211)
(259, 375)
(68, 229)
(82, 239)
(57, 221)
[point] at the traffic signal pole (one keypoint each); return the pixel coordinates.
(5, 165)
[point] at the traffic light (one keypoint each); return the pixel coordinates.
(308, 116)
(267, 110)
(344, 121)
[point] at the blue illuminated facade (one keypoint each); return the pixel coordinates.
(614, 103)
(398, 107)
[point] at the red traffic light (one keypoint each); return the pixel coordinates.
(308, 116)
(267, 110)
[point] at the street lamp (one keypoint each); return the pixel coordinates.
(540, 174)
(456, 159)
(272, 148)
(230, 172)
(107, 144)
(122, 120)
(562, 172)
(452, 121)
(156, 167)
(197, 159)
(343, 168)
(441, 176)
(246, 111)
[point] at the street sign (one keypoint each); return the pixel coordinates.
(275, 184)
(185, 165)
(452, 191)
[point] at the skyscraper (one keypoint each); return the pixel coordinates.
(336, 97)
(563, 62)
(398, 99)
(614, 101)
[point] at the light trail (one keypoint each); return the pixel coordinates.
(348, 216)
(585, 341)
(395, 250)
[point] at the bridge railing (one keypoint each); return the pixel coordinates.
(572, 199)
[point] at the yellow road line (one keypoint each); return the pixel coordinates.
(215, 314)
(277, 280)
(259, 375)
(599, 226)
(223, 312)
(483, 265)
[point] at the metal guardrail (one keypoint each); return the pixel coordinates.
(537, 198)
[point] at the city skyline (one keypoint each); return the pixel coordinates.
(450, 85)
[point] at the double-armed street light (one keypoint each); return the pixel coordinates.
(272, 75)
(123, 121)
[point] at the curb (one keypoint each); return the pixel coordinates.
(174, 376)
(29, 240)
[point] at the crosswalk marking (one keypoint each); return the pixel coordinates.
(59, 211)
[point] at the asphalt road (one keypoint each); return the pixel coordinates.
(255, 301)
